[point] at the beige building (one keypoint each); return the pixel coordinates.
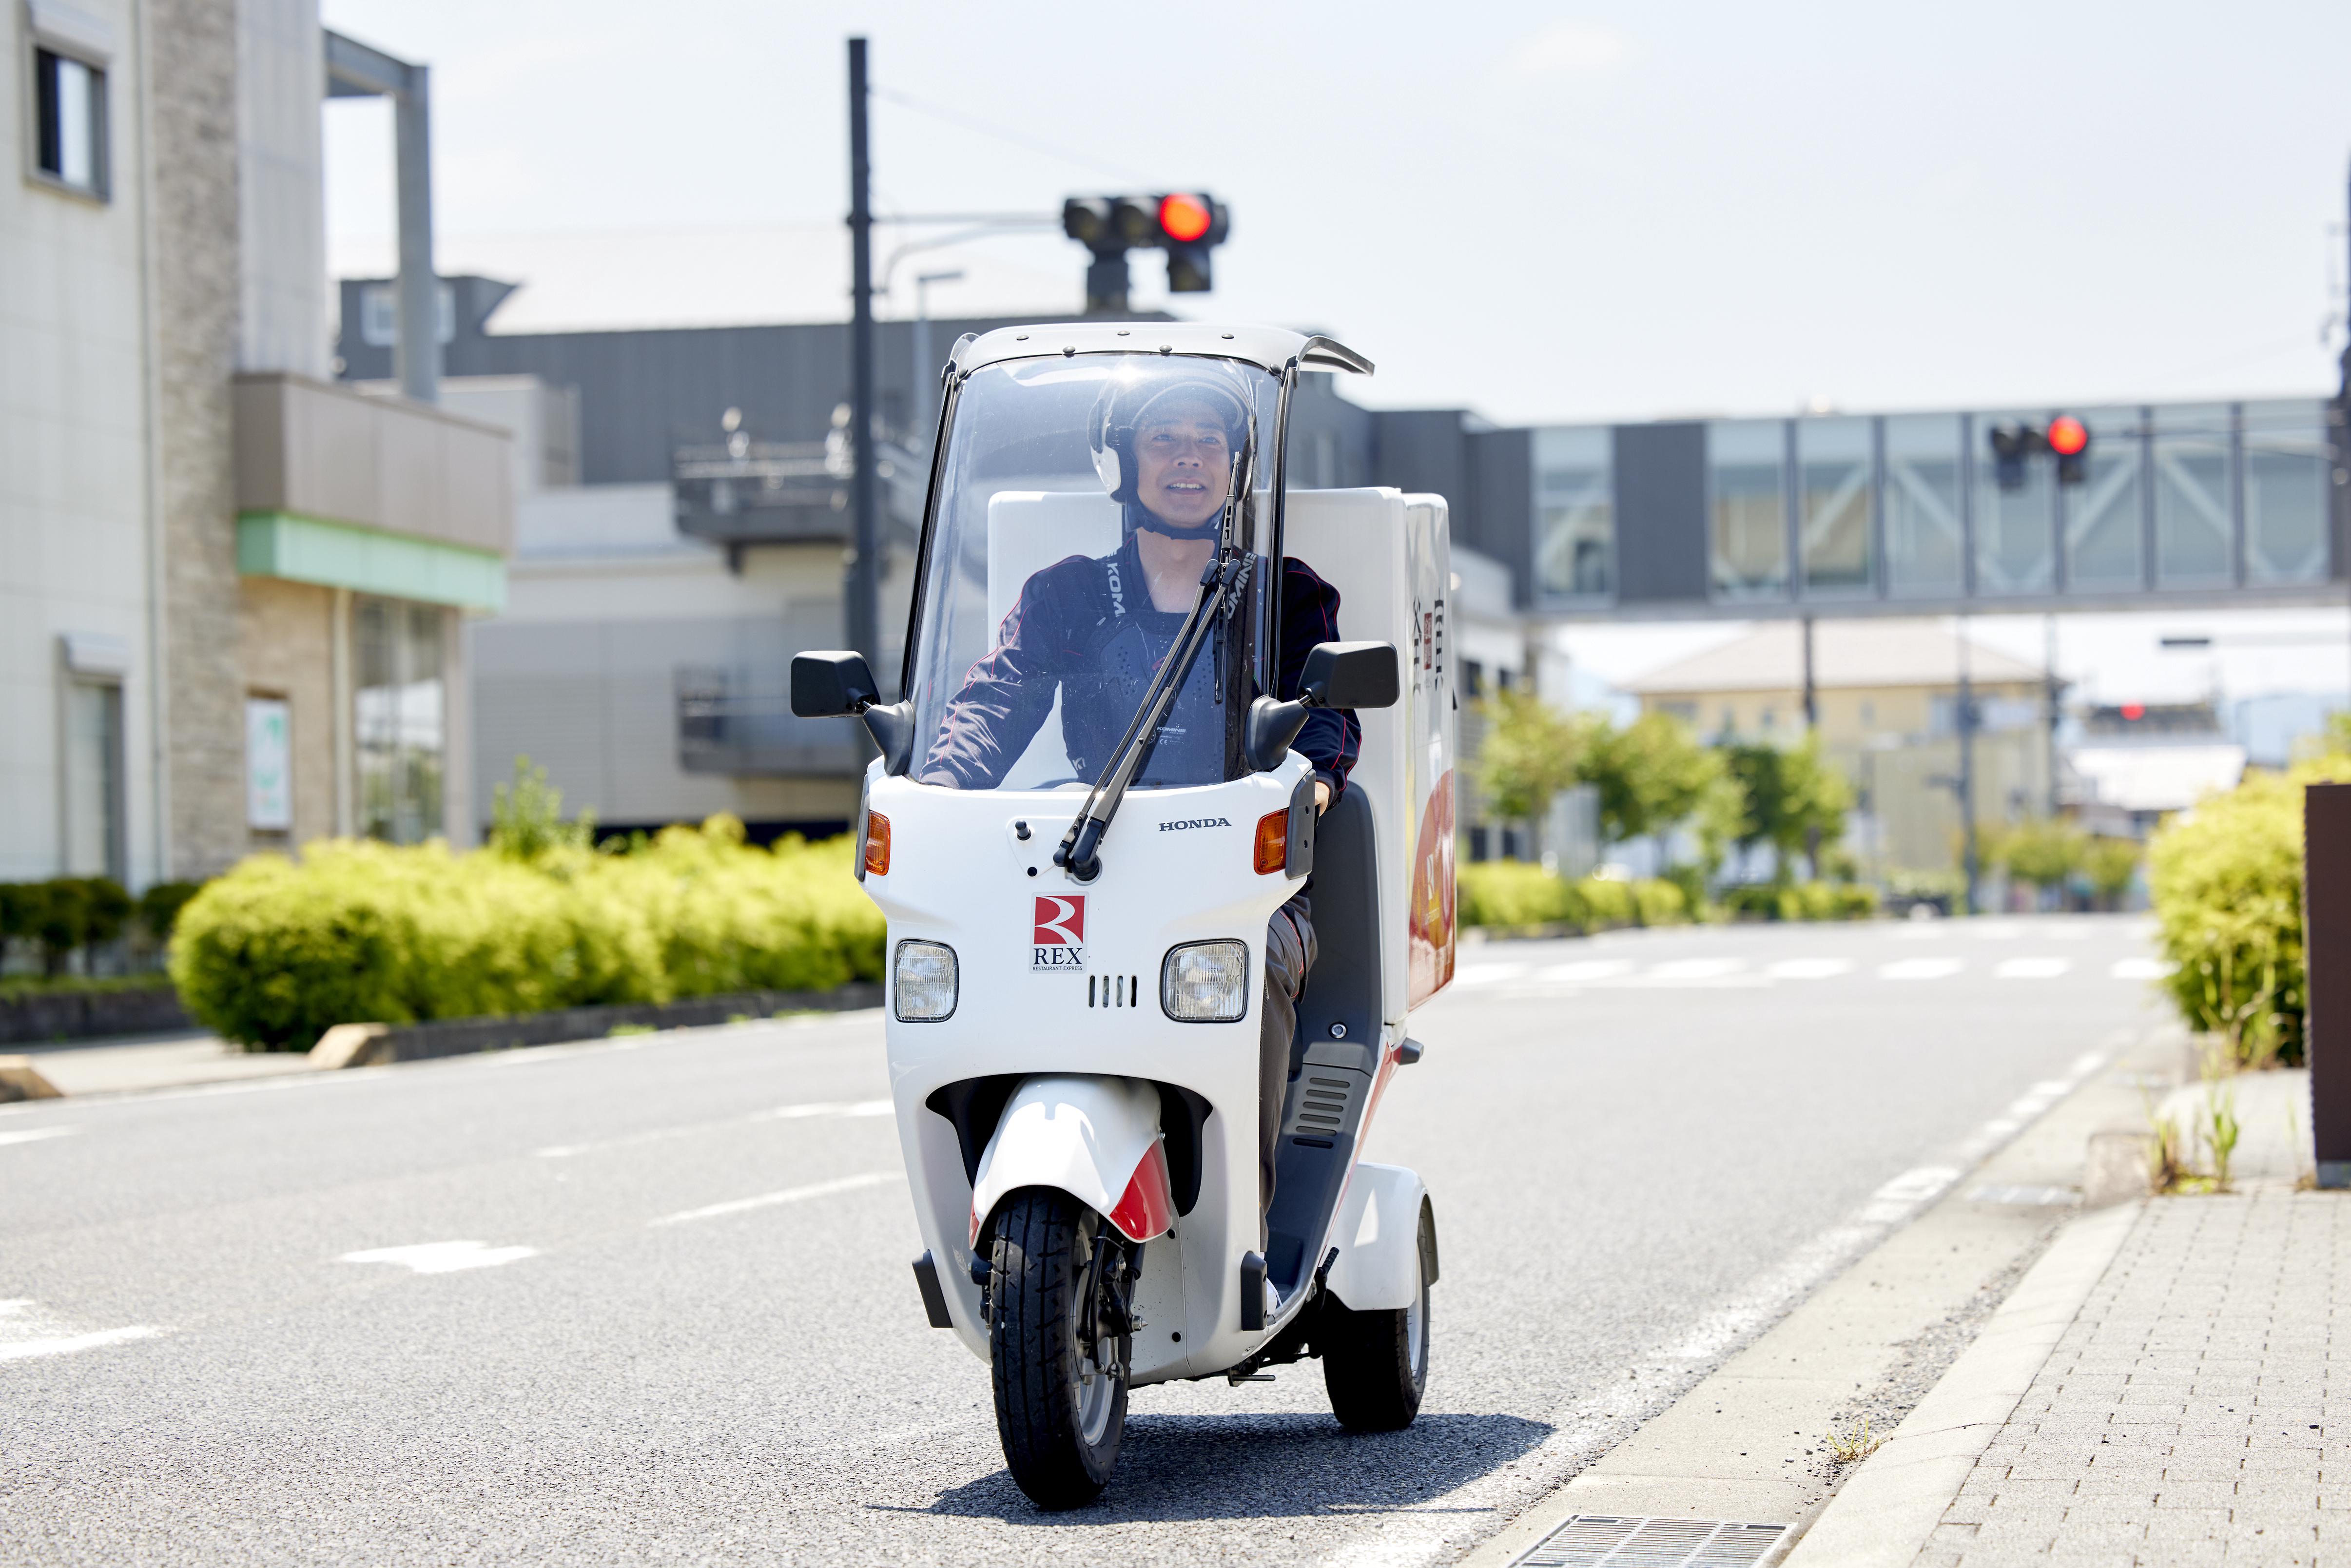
(1887, 696)
(231, 593)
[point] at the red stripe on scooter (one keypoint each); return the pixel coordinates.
(1148, 1208)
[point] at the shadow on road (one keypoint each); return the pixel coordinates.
(1267, 1467)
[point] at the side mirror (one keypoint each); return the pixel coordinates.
(1342, 675)
(831, 684)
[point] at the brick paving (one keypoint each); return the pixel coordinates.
(2188, 1414)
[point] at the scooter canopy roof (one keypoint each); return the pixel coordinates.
(1270, 347)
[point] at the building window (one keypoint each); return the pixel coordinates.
(398, 719)
(1926, 537)
(2194, 521)
(1832, 504)
(2286, 469)
(1506, 677)
(93, 779)
(69, 108)
(1747, 502)
(2104, 514)
(1473, 679)
(1479, 847)
(1575, 543)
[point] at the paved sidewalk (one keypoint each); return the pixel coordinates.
(154, 1062)
(2183, 1417)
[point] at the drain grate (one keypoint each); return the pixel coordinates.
(1590, 1540)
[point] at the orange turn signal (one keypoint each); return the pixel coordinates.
(1272, 842)
(877, 845)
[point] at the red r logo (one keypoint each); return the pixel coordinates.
(1061, 921)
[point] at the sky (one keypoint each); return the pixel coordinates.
(1546, 214)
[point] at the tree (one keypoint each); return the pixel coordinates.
(1794, 799)
(1527, 757)
(2110, 864)
(1653, 775)
(2044, 853)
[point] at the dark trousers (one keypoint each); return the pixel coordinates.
(1289, 955)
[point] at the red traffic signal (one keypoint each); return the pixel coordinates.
(2068, 436)
(1184, 217)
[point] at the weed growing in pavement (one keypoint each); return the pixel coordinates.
(2221, 1131)
(1855, 1443)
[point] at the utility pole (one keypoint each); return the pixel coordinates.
(1966, 719)
(864, 577)
(1811, 692)
(2056, 712)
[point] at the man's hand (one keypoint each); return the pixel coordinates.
(1322, 797)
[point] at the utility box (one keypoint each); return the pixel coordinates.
(2327, 968)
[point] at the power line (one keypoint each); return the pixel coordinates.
(1012, 138)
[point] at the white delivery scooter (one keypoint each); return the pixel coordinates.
(1078, 875)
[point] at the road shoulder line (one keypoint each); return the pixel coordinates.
(1887, 1511)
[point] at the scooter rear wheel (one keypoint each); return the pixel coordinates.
(1058, 1367)
(1375, 1364)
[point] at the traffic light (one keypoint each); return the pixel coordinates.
(1187, 225)
(2066, 437)
(2069, 438)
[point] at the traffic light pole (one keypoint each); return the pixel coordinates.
(864, 576)
(1967, 720)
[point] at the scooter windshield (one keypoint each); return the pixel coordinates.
(1079, 501)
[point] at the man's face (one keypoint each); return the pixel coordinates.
(1184, 463)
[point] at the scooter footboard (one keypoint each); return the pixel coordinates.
(1094, 1138)
(1378, 1238)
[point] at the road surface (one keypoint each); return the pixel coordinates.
(647, 1299)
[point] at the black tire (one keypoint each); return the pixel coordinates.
(1375, 1364)
(1058, 1413)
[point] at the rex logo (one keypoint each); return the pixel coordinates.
(1058, 939)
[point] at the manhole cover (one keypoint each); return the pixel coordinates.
(1589, 1540)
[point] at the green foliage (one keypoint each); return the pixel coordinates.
(1802, 901)
(1653, 775)
(1793, 798)
(277, 952)
(1527, 755)
(2045, 853)
(159, 906)
(2109, 864)
(62, 914)
(2227, 884)
(527, 817)
(1513, 894)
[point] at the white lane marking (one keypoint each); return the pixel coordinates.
(26, 1333)
(1920, 968)
(443, 1257)
(2088, 1063)
(2031, 968)
(789, 1194)
(1587, 969)
(1487, 974)
(2141, 968)
(1994, 930)
(1809, 969)
(2067, 933)
(845, 1108)
(36, 1134)
(2025, 1196)
(1695, 968)
(1905, 1192)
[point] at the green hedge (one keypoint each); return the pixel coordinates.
(278, 951)
(2226, 880)
(1513, 893)
(1802, 901)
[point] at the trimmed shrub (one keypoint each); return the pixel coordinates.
(277, 952)
(2226, 880)
(1514, 893)
(1802, 901)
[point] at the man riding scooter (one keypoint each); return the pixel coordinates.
(1101, 626)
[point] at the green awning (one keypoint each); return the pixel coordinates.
(396, 566)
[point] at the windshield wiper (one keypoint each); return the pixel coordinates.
(1078, 852)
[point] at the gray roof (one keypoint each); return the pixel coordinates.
(1846, 654)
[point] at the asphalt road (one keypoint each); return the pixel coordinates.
(647, 1300)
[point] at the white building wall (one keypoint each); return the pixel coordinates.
(74, 453)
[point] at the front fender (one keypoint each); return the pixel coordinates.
(1096, 1139)
(1378, 1238)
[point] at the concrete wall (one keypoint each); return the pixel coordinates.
(74, 472)
(281, 202)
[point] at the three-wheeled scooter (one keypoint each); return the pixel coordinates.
(1077, 924)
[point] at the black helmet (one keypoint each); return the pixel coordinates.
(1123, 405)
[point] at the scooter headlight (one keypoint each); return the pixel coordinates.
(922, 982)
(1206, 982)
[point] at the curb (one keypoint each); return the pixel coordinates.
(20, 1079)
(375, 1044)
(1887, 1509)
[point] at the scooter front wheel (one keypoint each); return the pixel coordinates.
(1058, 1346)
(1375, 1364)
